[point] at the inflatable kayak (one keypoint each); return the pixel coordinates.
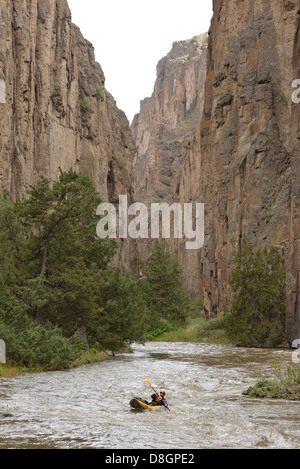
(138, 403)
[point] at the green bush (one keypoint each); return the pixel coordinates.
(36, 346)
(256, 316)
(284, 385)
(99, 90)
(162, 327)
(120, 160)
(86, 104)
(212, 330)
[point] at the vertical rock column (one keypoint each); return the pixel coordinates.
(250, 149)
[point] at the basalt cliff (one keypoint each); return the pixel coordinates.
(167, 133)
(55, 113)
(241, 157)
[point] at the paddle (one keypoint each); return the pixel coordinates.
(147, 381)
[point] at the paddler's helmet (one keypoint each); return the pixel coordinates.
(163, 392)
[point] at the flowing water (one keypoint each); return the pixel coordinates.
(88, 407)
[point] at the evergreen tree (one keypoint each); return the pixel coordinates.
(57, 274)
(124, 311)
(166, 295)
(59, 256)
(258, 282)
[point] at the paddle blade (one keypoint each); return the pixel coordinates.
(147, 381)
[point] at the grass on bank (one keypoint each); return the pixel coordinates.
(9, 370)
(198, 329)
(284, 385)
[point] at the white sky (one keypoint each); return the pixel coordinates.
(131, 36)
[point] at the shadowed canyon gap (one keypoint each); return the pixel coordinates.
(220, 129)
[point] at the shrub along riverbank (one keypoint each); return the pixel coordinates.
(284, 385)
(9, 370)
(197, 329)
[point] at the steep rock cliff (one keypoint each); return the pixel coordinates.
(167, 118)
(165, 169)
(55, 113)
(250, 174)
(55, 110)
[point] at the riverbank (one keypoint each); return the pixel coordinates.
(9, 370)
(286, 382)
(198, 330)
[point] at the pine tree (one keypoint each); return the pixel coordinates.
(60, 271)
(167, 298)
(258, 282)
(60, 257)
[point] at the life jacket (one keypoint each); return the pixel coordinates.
(157, 400)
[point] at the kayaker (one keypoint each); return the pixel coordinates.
(159, 399)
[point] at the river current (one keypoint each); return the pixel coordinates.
(88, 407)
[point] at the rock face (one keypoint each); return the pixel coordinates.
(163, 132)
(55, 113)
(169, 117)
(250, 141)
(242, 158)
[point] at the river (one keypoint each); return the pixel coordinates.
(88, 407)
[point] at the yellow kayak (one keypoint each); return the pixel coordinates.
(138, 403)
(146, 406)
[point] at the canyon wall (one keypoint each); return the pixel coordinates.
(55, 113)
(250, 141)
(165, 132)
(241, 158)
